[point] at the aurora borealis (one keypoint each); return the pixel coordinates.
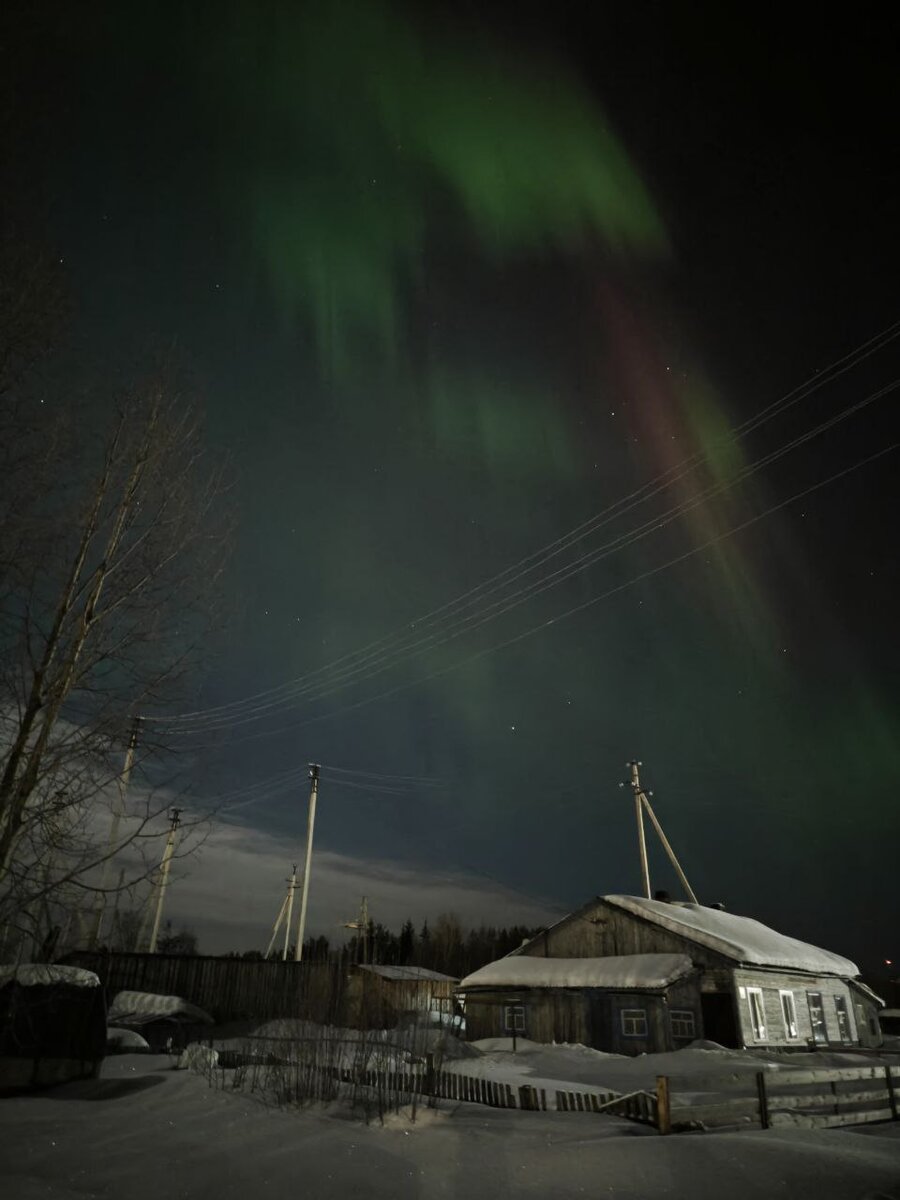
(451, 283)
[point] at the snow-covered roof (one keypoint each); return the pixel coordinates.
(140, 1008)
(624, 971)
(406, 974)
(739, 938)
(45, 974)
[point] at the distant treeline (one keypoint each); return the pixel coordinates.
(445, 946)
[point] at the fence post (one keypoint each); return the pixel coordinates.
(892, 1095)
(663, 1111)
(763, 1099)
(428, 1080)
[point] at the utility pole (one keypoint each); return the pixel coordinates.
(642, 804)
(164, 877)
(639, 814)
(118, 812)
(310, 826)
(361, 925)
(285, 913)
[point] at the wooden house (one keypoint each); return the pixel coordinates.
(378, 995)
(626, 1004)
(755, 987)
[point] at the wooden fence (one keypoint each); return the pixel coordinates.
(811, 1099)
(230, 989)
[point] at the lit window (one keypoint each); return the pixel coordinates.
(817, 1016)
(757, 1013)
(514, 1018)
(843, 1019)
(634, 1022)
(789, 1013)
(683, 1024)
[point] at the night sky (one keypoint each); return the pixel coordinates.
(451, 284)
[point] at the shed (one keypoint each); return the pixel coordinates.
(52, 1025)
(379, 994)
(758, 987)
(626, 1004)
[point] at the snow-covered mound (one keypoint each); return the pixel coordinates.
(47, 974)
(140, 1008)
(125, 1041)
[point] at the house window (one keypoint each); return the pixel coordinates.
(757, 1013)
(817, 1016)
(683, 1023)
(843, 1019)
(514, 1018)
(789, 1014)
(634, 1022)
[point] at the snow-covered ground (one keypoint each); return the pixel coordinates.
(143, 1130)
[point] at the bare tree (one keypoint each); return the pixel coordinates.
(111, 553)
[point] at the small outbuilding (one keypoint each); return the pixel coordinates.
(379, 994)
(52, 1025)
(624, 1004)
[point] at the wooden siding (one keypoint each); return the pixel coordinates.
(589, 1016)
(772, 983)
(599, 930)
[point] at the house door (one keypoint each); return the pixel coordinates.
(718, 1018)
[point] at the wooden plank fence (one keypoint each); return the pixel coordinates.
(230, 989)
(811, 1099)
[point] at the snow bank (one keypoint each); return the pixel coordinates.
(124, 1041)
(45, 974)
(140, 1008)
(624, 971)
(740, 938)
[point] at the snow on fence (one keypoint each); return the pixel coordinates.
(812, 1099)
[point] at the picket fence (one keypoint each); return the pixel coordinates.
(764, 1099)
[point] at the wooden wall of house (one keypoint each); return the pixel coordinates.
(772, 983)
(551, 1014)
(600, 929)
(589, 1016)
(867, 1022)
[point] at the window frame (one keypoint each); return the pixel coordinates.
(512, 1015)
(683, 1014)
(844, 1024)
(758, 1027)
(634, 1015)
(791, 1024)
(823, 1040)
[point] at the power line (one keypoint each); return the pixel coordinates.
(639, 578)
(219, 715)
(467, 624)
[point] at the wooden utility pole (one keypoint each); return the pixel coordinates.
(164, 877)
(118, 812)
(361, 925)
(642, 804)
(668, 849)
(285, 913)
(310, 826)
(639, 813)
